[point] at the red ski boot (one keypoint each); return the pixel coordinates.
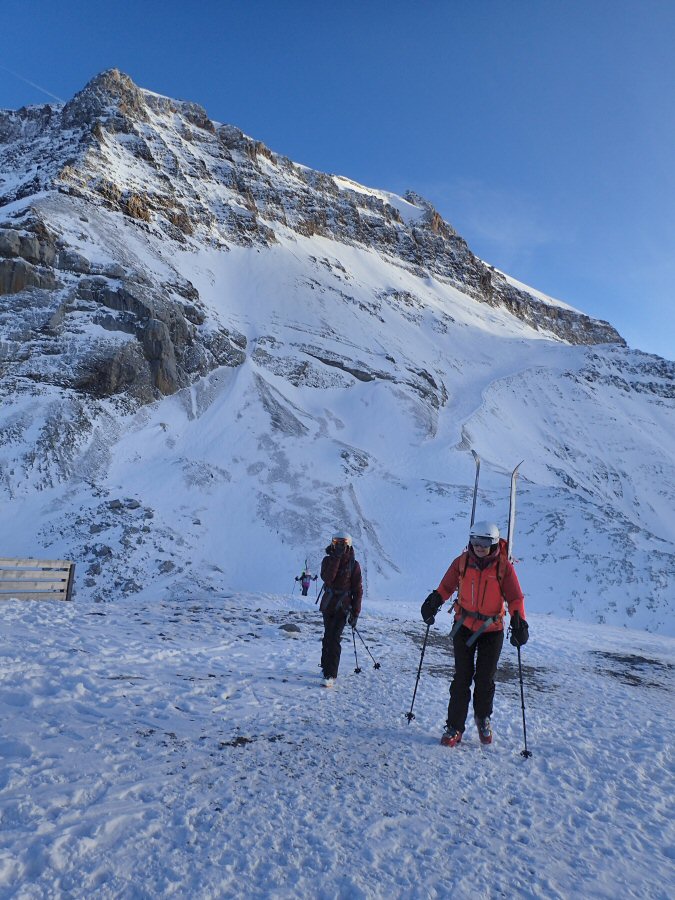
(484, 729)
(451, 737)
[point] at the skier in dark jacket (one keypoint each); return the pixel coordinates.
(484, 579)
(341, 601)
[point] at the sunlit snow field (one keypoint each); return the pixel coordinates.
(186, 748)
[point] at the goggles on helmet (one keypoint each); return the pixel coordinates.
(336, 541)
(482, 542)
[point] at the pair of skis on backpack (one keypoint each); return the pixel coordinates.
(452, 737)
(512, 503)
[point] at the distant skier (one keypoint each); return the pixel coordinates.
(484, 579)
(342, 594)
(305, 580)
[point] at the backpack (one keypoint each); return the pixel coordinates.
(502, 560)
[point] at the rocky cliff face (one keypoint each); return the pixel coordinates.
(116, 155)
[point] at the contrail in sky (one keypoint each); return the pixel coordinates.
(32, 84)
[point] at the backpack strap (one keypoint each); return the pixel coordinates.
(474, 637)
(463, 614)
(458, 624)
(502, 560)
(463, 563)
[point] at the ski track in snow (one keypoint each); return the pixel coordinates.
(187, 749)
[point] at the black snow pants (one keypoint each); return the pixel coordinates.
(477, 663)
(333, 626)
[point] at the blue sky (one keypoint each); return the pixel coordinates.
(542, 130)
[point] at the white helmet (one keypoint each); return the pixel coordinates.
(341, 537)
(483, 532)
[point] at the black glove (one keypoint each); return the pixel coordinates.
(353, 618)
(430, 607)
(520, 630)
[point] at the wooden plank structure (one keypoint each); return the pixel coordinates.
(36, 579)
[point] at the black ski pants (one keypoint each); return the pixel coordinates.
(333, 626)
(477, 663)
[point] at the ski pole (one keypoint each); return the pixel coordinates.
(410, 715)
(293, 591)
(526, 753)
(357, 669)
(376, 665)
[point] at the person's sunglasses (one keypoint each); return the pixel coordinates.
(481, 542)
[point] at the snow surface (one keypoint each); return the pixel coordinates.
(250, 458)
(408, 211)
(373, 458)
(185, 748)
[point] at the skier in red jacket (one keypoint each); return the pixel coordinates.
(484, 579)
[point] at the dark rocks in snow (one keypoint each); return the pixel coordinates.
(171, 344)
(103, 551)
(36, 246)
(17, 275)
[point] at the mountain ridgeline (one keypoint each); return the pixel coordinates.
(206, 348)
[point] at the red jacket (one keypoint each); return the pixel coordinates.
(480, 590)
(343, 584)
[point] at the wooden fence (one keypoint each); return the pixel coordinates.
(36, 579)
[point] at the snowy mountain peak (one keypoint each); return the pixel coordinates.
(111, 94)
(238, 351)
(188, 176)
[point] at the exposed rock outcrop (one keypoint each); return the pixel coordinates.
(190, 181)
(159, 339)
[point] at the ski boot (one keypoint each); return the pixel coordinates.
(484, 729)
(451, 737)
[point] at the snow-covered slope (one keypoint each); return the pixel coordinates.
(211, 357)
(186, 749)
